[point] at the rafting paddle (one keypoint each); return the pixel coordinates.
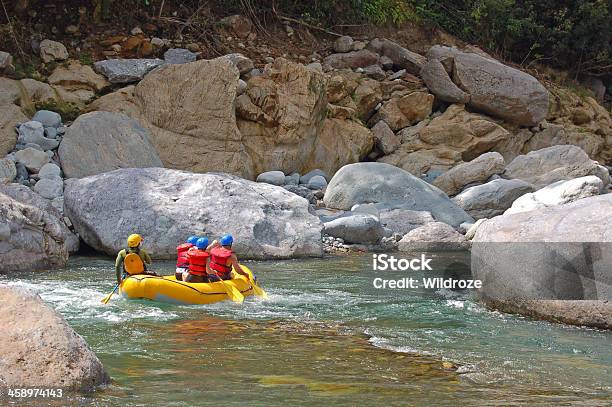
(233, 292)
(106, 299)
(257, 289)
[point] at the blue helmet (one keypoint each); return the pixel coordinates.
(226, 240)
(202, 243)
(192, 240)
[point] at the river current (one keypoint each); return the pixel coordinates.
(325, 336)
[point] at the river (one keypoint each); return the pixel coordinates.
(324, 337)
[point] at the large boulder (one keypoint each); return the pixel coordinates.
(384, 183)
(27, 196)
(495, 88)
(166, 205)
(433, 236)
(493, 198)
(554, 253)
(358, 228)
(478, 170)
(439, 83)
(551, 164)
(445, 141)
(30, 239)
(120, 142)
(558, 193)
(39, 349)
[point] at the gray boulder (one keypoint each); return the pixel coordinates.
(343, 44)
(272, 177)
(401, 57)
(31, 239)
(479, 169)
(351, 60)
(120, 142)
(32, 158)
(8, 171)
(50, 170)
(431, 237)
(179, 56)
(26, 196)
(126, 70)
(166, 205)
(551, 164)
(317, 182)
(495, 88)
(403, 221)
(33, 132)
(39, 349)
(554, 253)
(558, 193)
(305, 179)
(384, 183)
(493, 198)
(386, 141)
(48, 118)
(440, 84)
(357, 228)
(49, 188)
(293, 179)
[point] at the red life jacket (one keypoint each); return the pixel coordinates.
(218, 260)
(182, 259)
(197, 261)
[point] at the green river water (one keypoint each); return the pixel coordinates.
(324, 337)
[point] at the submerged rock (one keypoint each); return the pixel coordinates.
(39, 349)
(166, 205)
(384, 183)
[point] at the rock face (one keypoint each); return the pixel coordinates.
(445, 141)
(434, 236)
(30, 238)
(167, 205)
(493, 198)
(493, 87)
(558, 193)
(477, 170)
(358, 228)
(120, 142)
(57, 225)
(548, 165)
(555, 253)
(39, 349)
(384, 183)
(126, 70)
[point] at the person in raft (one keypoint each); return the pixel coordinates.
(133, 260)
(182, 258)
(222, 259)
(198, 260)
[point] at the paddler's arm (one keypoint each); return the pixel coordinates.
(119, 265)
(237, 268)
(211, 246)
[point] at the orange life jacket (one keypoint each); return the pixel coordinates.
(218, 260)
(197, 261)
(182, 259)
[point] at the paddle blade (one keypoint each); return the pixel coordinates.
(106, 299)
(233, 293)
(258, 290)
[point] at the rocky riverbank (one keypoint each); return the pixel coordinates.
(371, 147)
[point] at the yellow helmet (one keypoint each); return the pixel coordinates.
(134, 240)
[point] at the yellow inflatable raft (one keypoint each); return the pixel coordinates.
(168, 289)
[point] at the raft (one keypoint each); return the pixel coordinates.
(168, 289)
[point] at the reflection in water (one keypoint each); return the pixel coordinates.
(312, 344)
